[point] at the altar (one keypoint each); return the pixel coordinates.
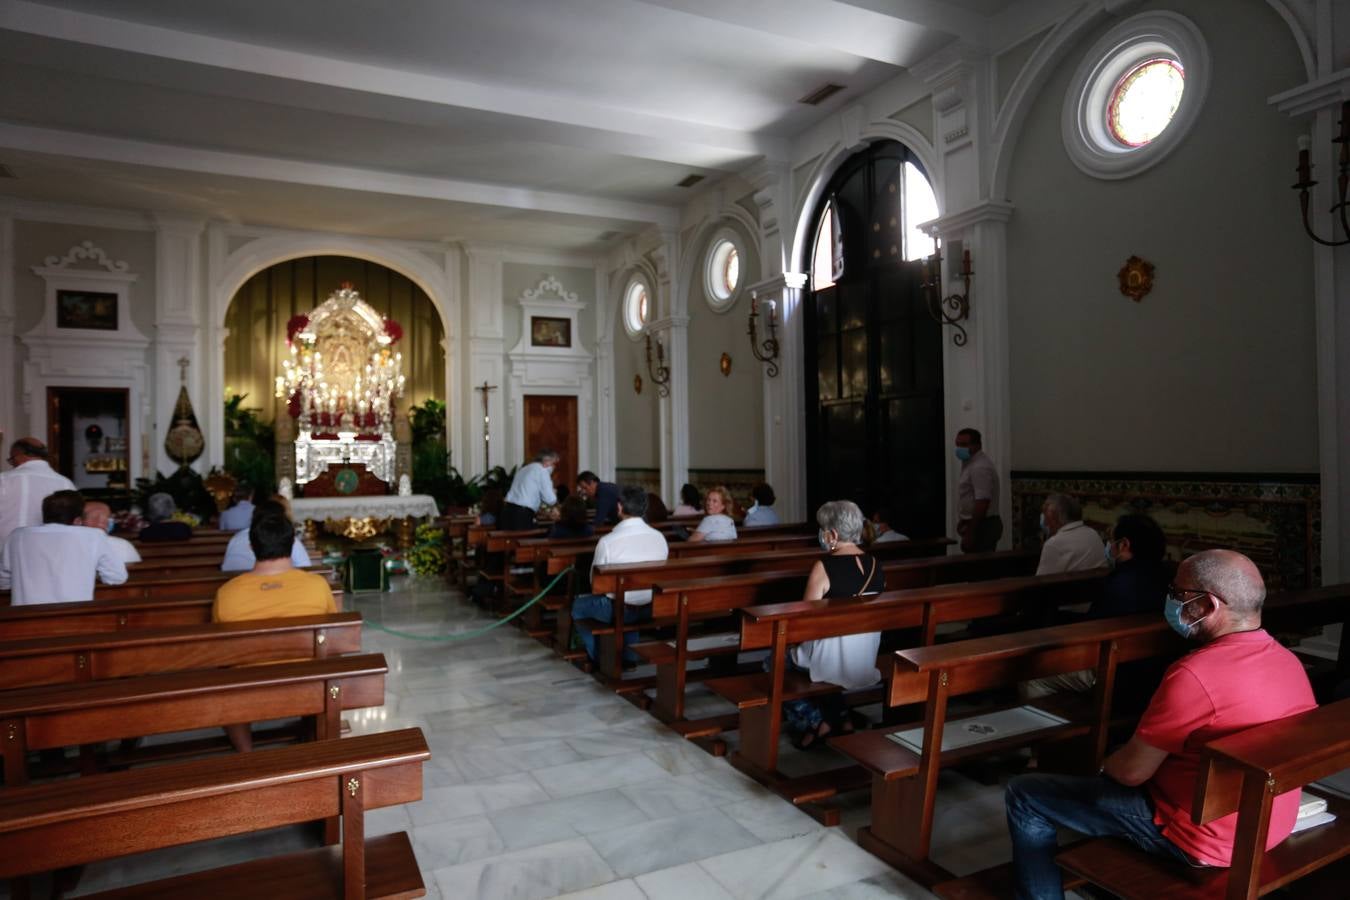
(361, 518)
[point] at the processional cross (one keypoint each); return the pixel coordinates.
(485, 389)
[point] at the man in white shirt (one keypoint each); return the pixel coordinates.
(99, 515)
(882, 531)
(530, 489)
(57, 561)
(239, 516)
(1071, 546)
(631, 541)
(977, 520)
(762, 512)
(23, 490)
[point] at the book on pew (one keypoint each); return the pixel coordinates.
(960, 733)
(1312, 811)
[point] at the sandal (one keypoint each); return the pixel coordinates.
(813, 740)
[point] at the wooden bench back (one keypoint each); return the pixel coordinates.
(69, 823)
(743, 545)
(806, 620)
(120, 654)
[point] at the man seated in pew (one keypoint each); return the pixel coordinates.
(849, 661)
(1239, 677)
(275, 588)
(1137, 584)
(574, 520)
(98, 514)
(239, 551)
(159, 509)
(761, 512)
(1071, 546)
(631, 541)
(239, 515)
(604, 494)
(57, 561)
(717, 525)
(880, 526)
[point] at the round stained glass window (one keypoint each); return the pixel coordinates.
(722, 272)
(636, 309)
(1144, 101)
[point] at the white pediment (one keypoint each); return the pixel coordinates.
(548, 323)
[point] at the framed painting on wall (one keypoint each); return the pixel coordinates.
(547, 331)
(94, 310)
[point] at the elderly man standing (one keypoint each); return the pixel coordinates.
(1071, 546)
(57, 561)
(23, 490)
(977, 519)
(530, 489)
(1238, 677)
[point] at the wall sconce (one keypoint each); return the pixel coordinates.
(767, 350)
(660, 375)
(1305, 181)
(959, 304)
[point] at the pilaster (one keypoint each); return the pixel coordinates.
(606, 460)
(785, 396)
(179, 302)
(673, 331)
(9, 347)
(485, 363)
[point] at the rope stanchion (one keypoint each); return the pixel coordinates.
(477, 632)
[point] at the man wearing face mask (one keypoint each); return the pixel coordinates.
(99, 515)
(1238, 677)
(530, 489)
(977, 520)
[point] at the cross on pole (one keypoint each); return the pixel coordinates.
(485, 389)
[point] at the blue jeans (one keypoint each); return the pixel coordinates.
(1093, 806)
(601, 608)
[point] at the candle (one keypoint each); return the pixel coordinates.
(965, 262)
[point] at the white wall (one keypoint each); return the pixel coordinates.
(1212, 371)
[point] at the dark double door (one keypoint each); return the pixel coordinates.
(874, 391)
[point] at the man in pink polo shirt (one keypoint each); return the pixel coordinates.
(1238, 678)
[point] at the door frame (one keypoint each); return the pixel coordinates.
(53, 430)
(516, 410)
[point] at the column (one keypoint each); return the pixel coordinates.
(673, 334)
(179, 305)
(485, 363)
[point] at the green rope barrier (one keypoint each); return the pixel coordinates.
(465, 635)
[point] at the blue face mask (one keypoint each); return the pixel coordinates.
(1106, 551)
(1044, 528)
(1172, 613)
(963, 453)
(823, 541)
(110, 527)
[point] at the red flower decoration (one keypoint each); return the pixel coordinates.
(393, 330)
(293, 405)
(295, 325)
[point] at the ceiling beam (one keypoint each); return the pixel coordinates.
(212, 162)
(639, 133)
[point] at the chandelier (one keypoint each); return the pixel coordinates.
(343, 374)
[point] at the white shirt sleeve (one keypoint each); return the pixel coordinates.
(601, 555)
(111, 569)
(6, 580)
(299, 555)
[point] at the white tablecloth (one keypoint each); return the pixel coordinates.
(320, 509)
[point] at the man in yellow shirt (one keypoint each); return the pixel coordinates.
(273, 589)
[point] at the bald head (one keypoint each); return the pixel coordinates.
(26, 449)
(97, 514)
(1228, 575)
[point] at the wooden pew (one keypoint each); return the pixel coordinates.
(171, 586)
(744, 545)
(689, 601)
(53, 826)
(904, 783)
(1242, 774)
(196, 547)
(70, 715)
(617, 579)
(759, 697)
(55, 619)
(120, 654)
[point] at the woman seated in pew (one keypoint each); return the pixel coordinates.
(239, 551)
(717, 525)
(849, 661)
(690, 502)
(159, 509)
(574, 521)
(490, 506)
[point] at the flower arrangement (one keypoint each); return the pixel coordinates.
(186, 518)
(295, 325)
(429, 533)
(427, 559)
(393, 331)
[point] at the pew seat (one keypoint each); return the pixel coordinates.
(71, 823)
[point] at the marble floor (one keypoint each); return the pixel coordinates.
(543, 784)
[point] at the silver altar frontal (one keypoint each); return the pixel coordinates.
(314, 456)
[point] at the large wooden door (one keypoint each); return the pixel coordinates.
(551, 423)
(874, 398)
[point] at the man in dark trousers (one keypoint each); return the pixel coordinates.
(604, 494)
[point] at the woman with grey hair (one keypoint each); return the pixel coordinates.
(159, 509)
(849, 661)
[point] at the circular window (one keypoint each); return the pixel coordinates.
(1135, 95)
(722, 273)
(636, 307)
